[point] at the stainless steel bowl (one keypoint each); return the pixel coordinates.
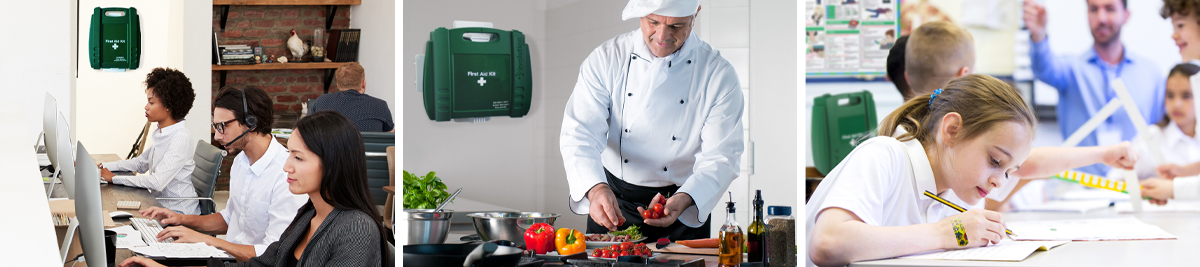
(509, 226)
(428, 227)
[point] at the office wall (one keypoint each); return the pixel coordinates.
(378, 18)
(41, 60)
(496, 162)
(111, 112)
(773, 39)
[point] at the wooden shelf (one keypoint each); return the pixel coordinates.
(282, 66)
(285, 2)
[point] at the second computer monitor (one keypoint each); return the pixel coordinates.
(66, 162)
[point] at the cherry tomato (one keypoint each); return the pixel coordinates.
(663, 200)
(597, 253)
(646, 214)
(624, 253)
(626, 246)
(657, 208)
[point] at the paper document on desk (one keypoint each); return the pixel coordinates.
(127, 237)
(1126, 228)
(1171, 206)
(1006, 250)
(181, 250)
(1079, 206)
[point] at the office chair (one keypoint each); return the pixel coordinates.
(376, 144)
(391, 188)
(204, 177)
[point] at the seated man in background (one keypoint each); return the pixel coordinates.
(368, 113)
(167, 165)
(260, 205)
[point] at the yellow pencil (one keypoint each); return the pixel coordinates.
(955, 207)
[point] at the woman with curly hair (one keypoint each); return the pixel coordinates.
(167, 164)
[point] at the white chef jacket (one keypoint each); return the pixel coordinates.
(882, 181)
(260, 205)
(654, 122)
(1167, 145)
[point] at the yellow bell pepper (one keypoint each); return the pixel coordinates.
(569, 241)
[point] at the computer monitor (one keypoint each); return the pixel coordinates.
(89, 210)
(50, 133)
(66, 161)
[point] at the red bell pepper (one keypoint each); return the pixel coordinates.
(540, 238)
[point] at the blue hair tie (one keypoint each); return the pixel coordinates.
(934, 96)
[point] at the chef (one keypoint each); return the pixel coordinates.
(656, 113)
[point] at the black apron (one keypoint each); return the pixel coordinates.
(630, 197)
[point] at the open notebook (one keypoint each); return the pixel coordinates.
(1006, 250)
(1124, 228)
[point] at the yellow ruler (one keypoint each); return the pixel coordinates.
(1091, 180)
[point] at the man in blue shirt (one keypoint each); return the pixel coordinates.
(1084, 81)
(370, 114)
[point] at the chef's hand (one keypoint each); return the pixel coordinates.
(603, 209)
(675, 206)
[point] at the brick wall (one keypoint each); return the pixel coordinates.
(270, 27)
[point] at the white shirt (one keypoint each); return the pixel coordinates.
(168, 167)
(260, 206)
(1167, 145)
(654, 122)
(882, 181)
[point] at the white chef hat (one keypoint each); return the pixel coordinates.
(669, 8)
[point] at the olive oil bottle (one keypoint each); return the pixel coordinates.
(756, 233)
(731, 238)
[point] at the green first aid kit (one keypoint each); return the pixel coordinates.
(476, 72)
(115, 38)
(839, 123)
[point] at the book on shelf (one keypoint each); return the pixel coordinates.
(342, 45)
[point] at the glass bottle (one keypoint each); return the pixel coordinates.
(756, 233)
(781, 238)
(731, 238)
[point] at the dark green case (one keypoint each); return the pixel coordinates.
(838, 127)
(115, 42)
(465, 79)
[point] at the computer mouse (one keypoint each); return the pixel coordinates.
(120, 214)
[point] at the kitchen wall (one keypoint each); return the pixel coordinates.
(500, 161)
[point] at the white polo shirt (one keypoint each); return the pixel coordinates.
(882, 181)
(260, 206)
(1167, 145)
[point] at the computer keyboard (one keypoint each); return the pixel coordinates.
(129, 204)
(149, 230)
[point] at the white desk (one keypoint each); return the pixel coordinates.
(29, 238)
(1184, 251)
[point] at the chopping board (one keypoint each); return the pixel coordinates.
(681, 249)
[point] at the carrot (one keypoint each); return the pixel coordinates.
(701, 243)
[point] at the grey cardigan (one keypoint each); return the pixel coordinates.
(345, 238)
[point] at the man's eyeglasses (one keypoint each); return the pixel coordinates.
(220, 126)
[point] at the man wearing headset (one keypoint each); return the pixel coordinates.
(260, 206)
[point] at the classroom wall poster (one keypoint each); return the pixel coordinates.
(849, 37)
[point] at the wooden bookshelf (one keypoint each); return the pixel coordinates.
(285, 2)
(328, 68)
(282, 66)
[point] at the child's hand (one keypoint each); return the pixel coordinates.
(1120, 156)
(978, 226)
(1169, 171)
(1159, 190)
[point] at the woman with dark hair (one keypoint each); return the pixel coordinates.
(167, 165)
(339, 226)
